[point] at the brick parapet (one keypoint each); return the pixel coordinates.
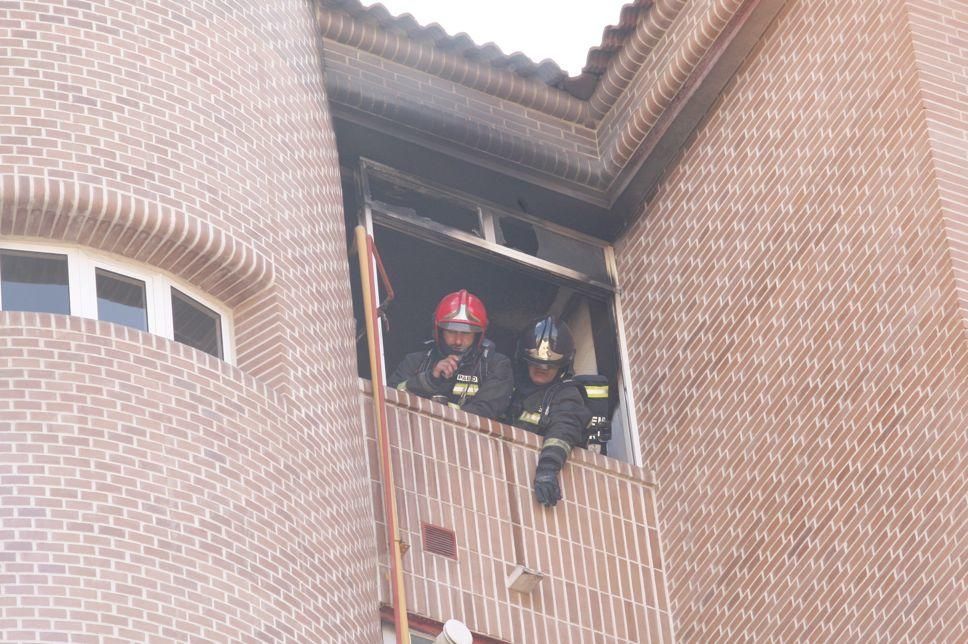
(152, 491)
(797, 347)
(507, 433)
(599, 549)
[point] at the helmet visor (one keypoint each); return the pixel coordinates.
(463, 327)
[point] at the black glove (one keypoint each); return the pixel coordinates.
(547, 490)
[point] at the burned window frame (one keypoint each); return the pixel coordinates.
(371, 212)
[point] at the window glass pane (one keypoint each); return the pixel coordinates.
(121, 299)
(195, 324)
(34, 282)
(559, 249)
(434, 207)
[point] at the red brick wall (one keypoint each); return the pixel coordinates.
(939, 31)
(798, 353)
(150, 490)
(599, 549)
(195, 137)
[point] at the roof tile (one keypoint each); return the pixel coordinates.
(546, 71)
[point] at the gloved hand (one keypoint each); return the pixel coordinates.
(547, 490)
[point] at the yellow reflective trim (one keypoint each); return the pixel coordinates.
(464, 389)
(532, 417)
(596, 391)
(453, 405)
(557, 442)
(402, 386)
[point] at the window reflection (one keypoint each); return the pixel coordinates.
(121, 299)
(195, 324)
(34, 282)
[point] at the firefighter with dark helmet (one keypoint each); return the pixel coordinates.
(546, 402)
(461, 367)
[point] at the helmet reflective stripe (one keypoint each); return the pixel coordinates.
(462, 312)
(461, 320)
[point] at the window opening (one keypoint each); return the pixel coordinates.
(195, 324)
(121, 299)
(34, 282)
(518, 238)
(547, 244)
(521, 267)
(91, 284)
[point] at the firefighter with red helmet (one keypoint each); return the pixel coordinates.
(461, 367)
(547, 402)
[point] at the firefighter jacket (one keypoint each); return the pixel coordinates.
(481, 385)
(555, 411)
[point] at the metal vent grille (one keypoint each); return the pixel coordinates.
(439, 541)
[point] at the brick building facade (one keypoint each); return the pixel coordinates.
(778, 187)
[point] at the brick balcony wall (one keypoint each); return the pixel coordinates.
(798, 352)
(599, 548)
(150, 491)
(195, 137)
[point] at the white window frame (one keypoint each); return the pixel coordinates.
(82, 263)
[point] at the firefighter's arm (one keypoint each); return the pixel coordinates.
(566, 428)
(494, 393)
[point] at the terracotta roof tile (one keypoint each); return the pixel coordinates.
(547, 71)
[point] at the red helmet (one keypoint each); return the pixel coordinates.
(460, 311)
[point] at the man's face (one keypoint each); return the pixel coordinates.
(542, 374)
(458, 341)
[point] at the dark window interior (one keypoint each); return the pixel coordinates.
(422, 204)
(34, 282)
(549, 245)
(121, 299)
(195, 324)
(425, 264)
(422, 272)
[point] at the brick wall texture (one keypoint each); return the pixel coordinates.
(599, 548)
(939, 31)
(488, 127)
(194, 137)
(794, 300)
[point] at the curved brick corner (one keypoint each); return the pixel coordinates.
(193, 249)
(194, 136)
(151, 490)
